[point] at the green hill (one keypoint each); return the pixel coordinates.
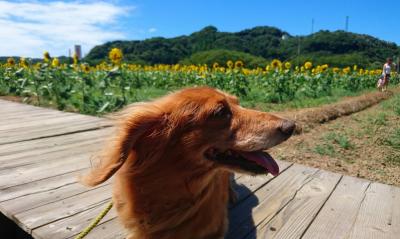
(258, 45)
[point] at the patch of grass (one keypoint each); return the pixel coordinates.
(325, 149)
(356, 133)
(387, 104)
(393, 104)
(393, 158)
(355, 118)
(379, 119)
(380, 171)
(146, 94)
(397, 109)
(393, 139)
(330, 136)
(396, 104)
(342, 140)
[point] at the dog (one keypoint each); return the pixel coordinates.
(172, 159)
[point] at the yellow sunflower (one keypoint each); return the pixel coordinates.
(288, 65)
(22, 62)
(239, 64)
(115, 55)
(276, 63)
(10, 61)
(308, 65)
(215, 65)
(55, 62)
(346, 70)
(335, 69)
(85, 67)
(229, 64)
(46, 56)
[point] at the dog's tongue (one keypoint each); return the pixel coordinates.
(263, 159)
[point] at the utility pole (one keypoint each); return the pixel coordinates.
(312, 26)
(347, 24)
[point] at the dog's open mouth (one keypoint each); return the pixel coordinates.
(257, 162)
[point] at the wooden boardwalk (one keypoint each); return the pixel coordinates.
(42, 151)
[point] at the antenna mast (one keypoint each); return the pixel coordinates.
(312, 26)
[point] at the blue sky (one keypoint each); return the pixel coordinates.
(30, 27)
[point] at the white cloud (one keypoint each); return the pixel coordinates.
(29, 28)
(152, 30)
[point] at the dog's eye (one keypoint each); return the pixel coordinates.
(222, 113)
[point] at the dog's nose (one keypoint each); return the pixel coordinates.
(287, 127)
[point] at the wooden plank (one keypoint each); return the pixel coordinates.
(23, 110)
(111, 229)
(26, 116)
(51, 124)
(294, 218)
(29, 173)
(13, 126)
(26, 112)
(337, 217)
(71, 226)
(51, 212)
(374, 219)
(43, 156)
(9, 105)
(39, 186)
(247, 185)
(31, 201)
(18, 110)
(267, 201)
(29, 148)
(12, 106)
(395, 220)
(34, 156)
(48, 132)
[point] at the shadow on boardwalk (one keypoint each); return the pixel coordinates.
(10, 230)
(240, 214)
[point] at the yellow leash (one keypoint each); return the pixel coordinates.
(95, 222)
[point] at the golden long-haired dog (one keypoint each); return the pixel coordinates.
(172, 159)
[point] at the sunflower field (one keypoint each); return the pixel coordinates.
(110, 85)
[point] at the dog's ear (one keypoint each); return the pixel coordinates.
(133, 123)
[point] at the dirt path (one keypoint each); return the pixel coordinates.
(311, 117)
(365, 144)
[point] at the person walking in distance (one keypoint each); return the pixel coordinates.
(386, 73)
